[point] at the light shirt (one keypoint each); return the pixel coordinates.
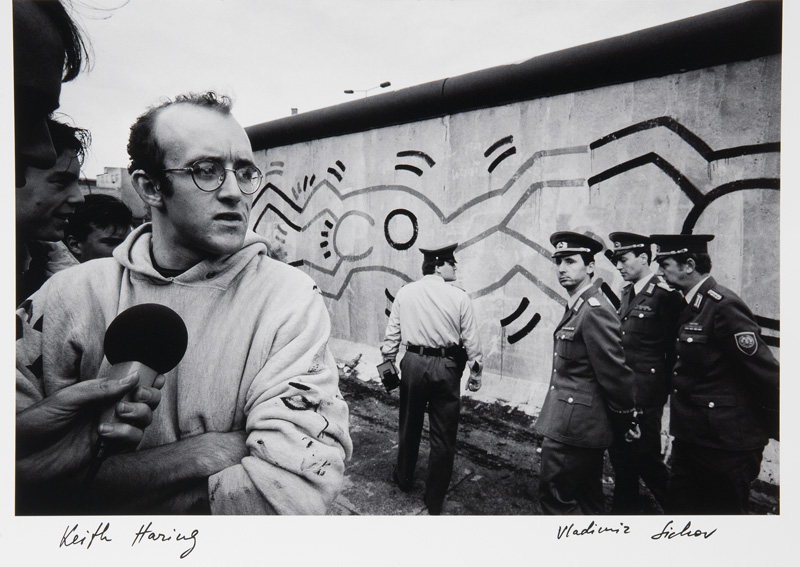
(432, 313)
(689, 296)
(573, 299)
(639, 286)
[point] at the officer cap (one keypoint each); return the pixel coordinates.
(443, 253)
(624, 242)
(675, 244)
(568, 243)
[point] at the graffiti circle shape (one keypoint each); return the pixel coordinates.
(397, 231)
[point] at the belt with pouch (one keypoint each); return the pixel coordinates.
(444, 352)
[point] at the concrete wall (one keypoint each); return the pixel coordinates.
(694, 151)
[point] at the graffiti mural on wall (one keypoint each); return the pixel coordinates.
(392, 218)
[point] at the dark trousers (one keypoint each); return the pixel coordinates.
(570, 479)
(431, 381)
(704, 480)
(639, 459)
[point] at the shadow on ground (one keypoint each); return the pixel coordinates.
(496, 466)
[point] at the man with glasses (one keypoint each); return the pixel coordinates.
(434, 319)
(251, 419)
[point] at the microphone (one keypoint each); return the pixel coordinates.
(147, 340)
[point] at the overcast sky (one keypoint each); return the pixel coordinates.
(273, 55)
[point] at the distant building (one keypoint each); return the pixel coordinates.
(116, 181)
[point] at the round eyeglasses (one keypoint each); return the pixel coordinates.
(209, 175)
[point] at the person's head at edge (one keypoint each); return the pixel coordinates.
(48, 50)
(49, 198)
(683, 259)
(190, 224)
(99, 225)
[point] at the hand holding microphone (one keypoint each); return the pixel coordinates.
(142, 343)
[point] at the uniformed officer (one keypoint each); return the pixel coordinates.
(433, 318)
(725, 386)
(648, 314)
(591, 395)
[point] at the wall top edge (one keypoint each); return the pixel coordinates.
(738, 33)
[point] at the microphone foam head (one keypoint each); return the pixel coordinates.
(149, 333)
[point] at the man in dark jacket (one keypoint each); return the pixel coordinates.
(591, 395)
(648, 313)
(725, 385)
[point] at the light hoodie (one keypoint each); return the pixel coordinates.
(257, 360)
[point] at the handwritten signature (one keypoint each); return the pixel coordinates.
(592, 528)
(73, 536)
(669, 532)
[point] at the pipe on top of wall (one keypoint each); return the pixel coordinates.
(737, 33)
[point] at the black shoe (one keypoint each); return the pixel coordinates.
(432, 510)
(400, 485)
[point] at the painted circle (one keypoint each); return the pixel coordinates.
(401, 229)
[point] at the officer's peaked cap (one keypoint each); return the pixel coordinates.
(568, 243)
(442, 253)
(623, 242)
(676, 244)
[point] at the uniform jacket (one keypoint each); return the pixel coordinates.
(257, 361)
(724, 373)
(648, 338)
(590, 379)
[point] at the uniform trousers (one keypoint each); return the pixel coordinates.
(571, 479)
(706, 480)
(639, 459)
(432, 382)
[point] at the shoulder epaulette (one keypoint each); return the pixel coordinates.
(714, 295)
(593, 302)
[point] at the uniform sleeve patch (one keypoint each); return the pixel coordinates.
(746, 342)
(593, 301)
(714, 294)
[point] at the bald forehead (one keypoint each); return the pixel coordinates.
(185, 128)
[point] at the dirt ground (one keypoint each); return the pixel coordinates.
(496, 466)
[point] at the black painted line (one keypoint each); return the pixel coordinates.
(335, 173)
(415, 170)
(269, 207)
(692, 139)
(523, 305)
(506, 154)
(683, 182)
(419, 154)
(523, 332)
(722, 190)
(773, 324)
(497, 144)
(609, 293)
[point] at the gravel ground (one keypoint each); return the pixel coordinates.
(496, 466)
